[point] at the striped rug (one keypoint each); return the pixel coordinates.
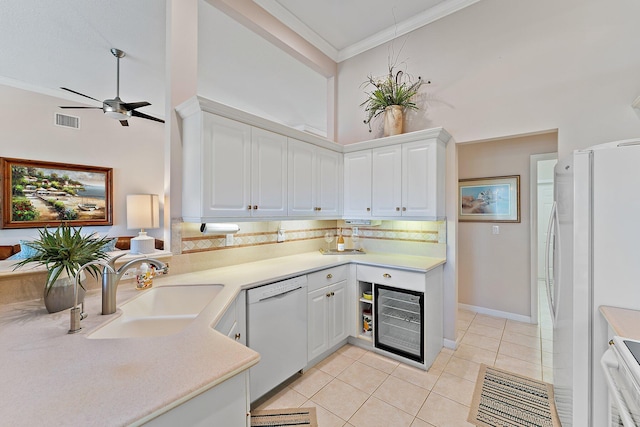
(291, 417)
(503, 399)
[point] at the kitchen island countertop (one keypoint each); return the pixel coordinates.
(53, 378)
(624, 322)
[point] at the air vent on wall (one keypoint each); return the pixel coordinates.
(67, 121)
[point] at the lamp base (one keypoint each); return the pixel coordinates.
(143, 244)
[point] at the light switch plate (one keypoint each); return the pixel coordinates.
(495, 229)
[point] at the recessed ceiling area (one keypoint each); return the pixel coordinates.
(343, 28)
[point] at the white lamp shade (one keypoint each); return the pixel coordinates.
(143, 211)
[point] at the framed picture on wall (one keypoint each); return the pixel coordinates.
(37, 194)
(492, 199)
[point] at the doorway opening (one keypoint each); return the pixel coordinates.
(542, 196)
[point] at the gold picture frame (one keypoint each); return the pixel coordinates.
(491, 199)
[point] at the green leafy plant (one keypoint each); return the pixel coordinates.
(66, 249)
(393, 89)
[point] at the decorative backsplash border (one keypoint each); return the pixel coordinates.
(435, 232)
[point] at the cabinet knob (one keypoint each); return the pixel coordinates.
(237, 336)
(255, 207)
(397, 209)
(249, 207)
(386, 276)
(319, 208)
(328, 294)
(329, 276)
(368, 209)
(404, 209)
(332, 293)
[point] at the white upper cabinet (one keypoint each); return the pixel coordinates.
(357, 184)
(315, 180)
(234, 170)
(268, 173)
(400, 180)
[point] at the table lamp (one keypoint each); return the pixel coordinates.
(143, 211)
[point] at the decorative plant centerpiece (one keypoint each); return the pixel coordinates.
(63, 252)
(392, 95)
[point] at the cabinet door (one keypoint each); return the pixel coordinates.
(338, 313)
(318, 335)
(268, 173)
(357, 184)
(234, 321)
(226, 167)
(420, 179)
(387, 181)
(329, 182)
(302, 173)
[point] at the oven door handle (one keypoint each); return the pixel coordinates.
(610, 361)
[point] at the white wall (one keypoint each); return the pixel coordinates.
(501, 68)
(135, 153)
(241, 69)
(494, 270)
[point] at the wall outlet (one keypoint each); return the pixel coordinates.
(281, 236)
(229, 241)
(495, 229)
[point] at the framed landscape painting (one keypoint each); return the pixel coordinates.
(37, 194)
(493, 199)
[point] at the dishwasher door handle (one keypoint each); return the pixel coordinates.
(279, 295)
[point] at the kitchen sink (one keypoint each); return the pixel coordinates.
(160, 311)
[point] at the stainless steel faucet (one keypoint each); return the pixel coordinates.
(110, 279)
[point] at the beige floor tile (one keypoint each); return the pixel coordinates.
(522, 339)
(460, 334)
(286, 398)
(352, 351)
(475, 354)
(324, 417)
(379, 362)
(311, 382)
(463, 324)
(485, 330)
(521, 352)
(419, 423)
(491, 344)
(340, 398)
(463, 368)
(335, 364)
(523, 328)
(441, 361)
(401, 394)
(442, 412)
(419, 377)
(363, 377)
(466, 315)
(494, 322)
(518, 366)
(454, 388)
(376, 413)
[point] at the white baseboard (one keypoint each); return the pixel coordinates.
(495, 313)
(450, 344)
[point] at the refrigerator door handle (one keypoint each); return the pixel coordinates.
(553, 225)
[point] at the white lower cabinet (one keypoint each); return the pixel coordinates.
(328, 310)
(234, 321)
(226, 404)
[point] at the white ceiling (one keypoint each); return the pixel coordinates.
(65, 43)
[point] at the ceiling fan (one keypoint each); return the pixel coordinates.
(116, 108)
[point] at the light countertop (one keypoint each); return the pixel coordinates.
(624, 322)
(52, 378)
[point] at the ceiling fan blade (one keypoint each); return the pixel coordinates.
(89, 108)
(145, 116)
(134, 105)
(78, 93)
(124, 123)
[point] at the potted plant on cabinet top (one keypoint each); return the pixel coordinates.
(63, 252)
(392, 95)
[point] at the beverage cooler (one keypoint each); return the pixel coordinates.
(398, 322)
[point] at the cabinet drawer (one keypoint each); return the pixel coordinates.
(391, 277)
(323, 278)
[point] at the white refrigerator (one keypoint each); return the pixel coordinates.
(593, 260)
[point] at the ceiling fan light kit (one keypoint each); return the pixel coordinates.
(115, 108)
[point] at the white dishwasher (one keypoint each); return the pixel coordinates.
(277, 329)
